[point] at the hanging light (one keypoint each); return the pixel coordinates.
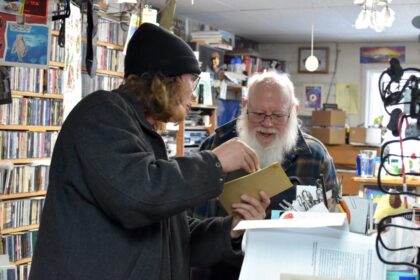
(388, 16)
(383, 2)
(370, 16)
(311, 63)
(359, 2)
(363, 20)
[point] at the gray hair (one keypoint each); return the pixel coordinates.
(272, 77)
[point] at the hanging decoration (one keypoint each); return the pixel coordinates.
(311, 63)
(375, 14)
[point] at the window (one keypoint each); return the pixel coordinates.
(374, 106)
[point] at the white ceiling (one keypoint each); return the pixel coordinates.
(276, 21)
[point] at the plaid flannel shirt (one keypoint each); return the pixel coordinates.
(306, 162)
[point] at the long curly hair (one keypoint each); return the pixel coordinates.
(160, 96)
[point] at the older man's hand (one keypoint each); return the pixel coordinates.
(248, 209)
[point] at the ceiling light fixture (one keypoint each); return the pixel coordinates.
(370, 16)
(311, 62)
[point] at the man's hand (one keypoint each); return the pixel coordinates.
(236, 154)
(249, 209)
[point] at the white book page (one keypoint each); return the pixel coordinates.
(323, 252)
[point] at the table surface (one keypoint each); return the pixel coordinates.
(389, 180)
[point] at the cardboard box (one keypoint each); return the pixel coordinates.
(330, 135)
(328, 118)
(363, 135)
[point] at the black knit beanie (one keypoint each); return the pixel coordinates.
(153, 49)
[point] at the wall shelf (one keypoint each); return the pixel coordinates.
(34, 94)
(23, 261)
(24, 160)
(34, 128)
(57, 64)
(22, 195)
(18, 229)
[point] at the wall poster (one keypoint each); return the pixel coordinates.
(24, 33)
(381, 54)
(312, 96)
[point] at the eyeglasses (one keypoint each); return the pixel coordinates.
(196, 80)
(275, 118)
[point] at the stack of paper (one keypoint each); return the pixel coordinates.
(307, 247)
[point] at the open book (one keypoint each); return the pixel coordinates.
(271, 179)
(308, 247)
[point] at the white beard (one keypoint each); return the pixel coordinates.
(276, 151)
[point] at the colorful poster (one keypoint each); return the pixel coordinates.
(24, 41)
(381, 54)
(36, 8)
(10, 7)
(313, 96)
(25, 7)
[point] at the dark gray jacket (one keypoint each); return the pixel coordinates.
(115, 204)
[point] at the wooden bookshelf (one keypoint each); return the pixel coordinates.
(110, 73)
(394, 181)
(98, 43)
(34, 128)
(23, 261)
(413, 181)
(18, 229)
(56, 64)
(24, 160)
(34, 94)
(206, 110)
(110, 45)
(199, 127)
(344, 157)
(243, 52)
(180, 139)
(21, 195)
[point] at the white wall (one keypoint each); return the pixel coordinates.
(349, 70)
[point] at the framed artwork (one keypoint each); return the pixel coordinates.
(321, 53)
(381, 54)
(312, 96)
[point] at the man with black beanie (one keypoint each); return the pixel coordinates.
(115, 206)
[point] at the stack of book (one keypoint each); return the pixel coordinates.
(216, 38)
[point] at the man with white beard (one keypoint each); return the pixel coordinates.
(269, 124)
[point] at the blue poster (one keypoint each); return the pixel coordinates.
(313, 97)
(27, 44)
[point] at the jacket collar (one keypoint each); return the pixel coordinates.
(130, 98)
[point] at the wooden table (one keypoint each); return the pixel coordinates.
(344, 157)
(412, 181)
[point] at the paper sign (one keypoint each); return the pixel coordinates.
(272, 180)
